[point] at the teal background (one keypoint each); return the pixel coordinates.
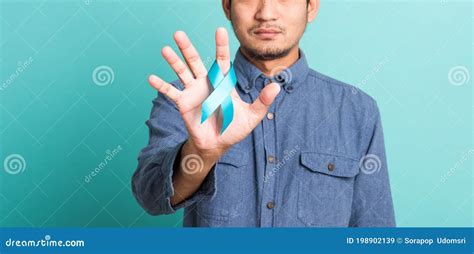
(64, 125)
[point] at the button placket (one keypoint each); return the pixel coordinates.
(269, 185)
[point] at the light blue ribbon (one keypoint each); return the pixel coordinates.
(221, 96)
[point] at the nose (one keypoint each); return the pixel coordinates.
(267, 11)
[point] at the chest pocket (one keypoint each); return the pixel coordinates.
(225, 206)
(325, 189)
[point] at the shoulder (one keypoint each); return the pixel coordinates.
(346, 95)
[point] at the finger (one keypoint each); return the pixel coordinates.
(190, 54)
(234, 93)
(164, 87)
(178, 66)
(222, 49)
(268, 94)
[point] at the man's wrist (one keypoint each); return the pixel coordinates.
(194, 164)
(211, 156)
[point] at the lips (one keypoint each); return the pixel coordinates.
(266, 33)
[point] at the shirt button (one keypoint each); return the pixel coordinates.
(270, 116)
(280, 78)
(289, 88)
(270, 159)
(248, 87)
(270, 205)
(330, 167)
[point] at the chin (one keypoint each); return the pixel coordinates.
(265, 48)
(267, 53)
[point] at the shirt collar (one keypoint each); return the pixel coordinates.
(288, 77)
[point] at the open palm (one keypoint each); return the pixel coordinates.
(197, 87)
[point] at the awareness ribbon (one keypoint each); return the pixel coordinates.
(223, 86)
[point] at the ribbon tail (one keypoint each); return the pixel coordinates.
(227, 113)
(205, 115)
(228, 107)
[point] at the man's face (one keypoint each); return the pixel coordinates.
(269, 29)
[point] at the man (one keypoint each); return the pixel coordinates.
(303, 149)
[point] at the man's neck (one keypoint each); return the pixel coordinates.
(267, 66)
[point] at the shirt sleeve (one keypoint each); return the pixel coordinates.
(372, 201)
(152, 181)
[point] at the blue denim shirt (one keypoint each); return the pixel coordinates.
(316, 159)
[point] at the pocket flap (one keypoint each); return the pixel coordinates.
(333, 165)
(234, 157)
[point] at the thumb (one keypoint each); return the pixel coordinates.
(265, 99)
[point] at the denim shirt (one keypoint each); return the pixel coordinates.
(316, 160)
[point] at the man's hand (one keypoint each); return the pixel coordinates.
(205, 139)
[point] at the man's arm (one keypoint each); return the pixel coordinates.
(372, 202)
(159, 183)
(177, 136)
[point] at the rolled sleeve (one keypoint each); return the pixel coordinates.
(152, 182)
